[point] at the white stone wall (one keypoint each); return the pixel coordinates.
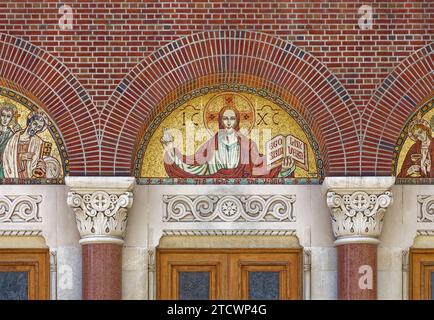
(60, 232)
(400, 229)
(145, 228)
(313, 228)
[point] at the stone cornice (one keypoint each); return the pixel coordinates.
(348, 184)
(108, 184)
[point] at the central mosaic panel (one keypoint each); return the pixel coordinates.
(219, 135)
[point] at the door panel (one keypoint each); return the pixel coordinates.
(427, 286)
(229, 274)
(24, 274)
(422, 274)
(175, 267)
(262, 285)
(284, 267)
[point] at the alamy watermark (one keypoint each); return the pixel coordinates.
(366, 280)
(366, 20)
(67, 18)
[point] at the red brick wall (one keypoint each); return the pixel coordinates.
(109, 38)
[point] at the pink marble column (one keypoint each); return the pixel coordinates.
(357, 271)
(100, 205)
(102, 271)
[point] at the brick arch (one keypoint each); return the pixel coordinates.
(393, 103)
(37, 74)
(327, 107)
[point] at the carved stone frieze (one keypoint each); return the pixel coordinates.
(249, 208)
(425, 208)
(22, 208)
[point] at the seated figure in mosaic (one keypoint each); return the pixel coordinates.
(228, 154)
(8, 126)
(27, 155)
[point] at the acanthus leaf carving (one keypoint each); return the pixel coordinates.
(101, 214)
(358, 214)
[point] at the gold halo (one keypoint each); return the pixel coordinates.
(238, 101)
(417, 121)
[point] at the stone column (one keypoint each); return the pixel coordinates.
(100, 205)
(358, 206)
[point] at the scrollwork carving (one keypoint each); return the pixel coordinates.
(206, 208)
(426, 208)
(23, 208)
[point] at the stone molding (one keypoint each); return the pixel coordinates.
(21, 208)
(20, 233)
(357, 206)
(425, 232)
(100, 207)
(228, 208)
(425, 212)
(224, 232)
(53, 273)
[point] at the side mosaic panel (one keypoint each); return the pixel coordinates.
(31, 148)
(414, 151)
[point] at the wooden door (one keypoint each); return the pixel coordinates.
(24, 274)
(229, 274)
(422, 274)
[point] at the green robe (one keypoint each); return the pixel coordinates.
(4, 138)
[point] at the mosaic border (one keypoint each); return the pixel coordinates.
(232, 181)
(227, 88)
(55, 133)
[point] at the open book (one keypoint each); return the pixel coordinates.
(280, 147)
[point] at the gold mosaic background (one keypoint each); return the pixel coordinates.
(264, 111)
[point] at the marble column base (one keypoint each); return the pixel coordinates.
(102, 271)
(357, 271)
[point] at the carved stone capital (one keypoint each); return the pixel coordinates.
(101, 208)
(357, 211)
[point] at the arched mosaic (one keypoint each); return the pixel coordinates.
(228, 134)
(31, 148)
(413, 160)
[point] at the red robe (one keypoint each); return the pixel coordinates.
(252, 164)
(416, 148)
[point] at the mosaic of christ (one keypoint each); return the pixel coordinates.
(227, 154)
(229, 135)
